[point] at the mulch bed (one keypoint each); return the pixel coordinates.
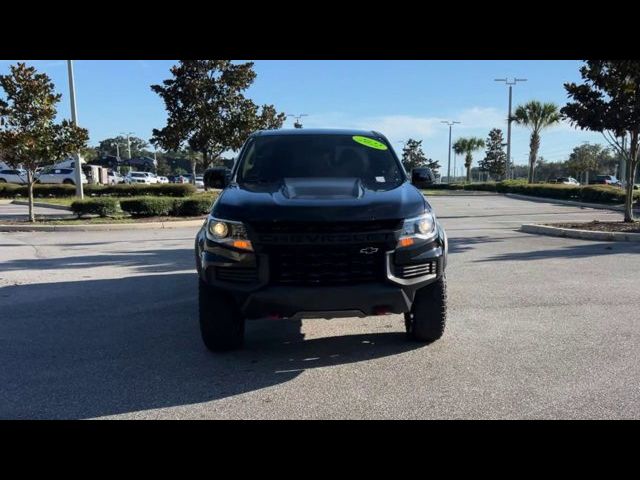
(597, 226)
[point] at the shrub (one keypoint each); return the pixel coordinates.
(147, 206)
(191, 207)
(7, 190)
(103, 207)
(39, 191)
(124, 190)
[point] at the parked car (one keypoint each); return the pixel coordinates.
(13, 176)
(162, 179)
(605, 180)
(54, 175)
(115, 178)
(141, 177)
(567, 181)
(199, 181)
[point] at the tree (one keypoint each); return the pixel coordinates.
(89, 154)
(582, 159)
(434, 165)
(495, 157)
(139, 148)
(412, 155)
(466, 147)
(537, 116)
(29, 136)
(207, 110)
(607, 102)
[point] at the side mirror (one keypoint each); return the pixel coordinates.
(422, 178)
(216, 177)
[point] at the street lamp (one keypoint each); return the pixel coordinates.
(451, 124)
(128, 134)
(74, 119)
(511, 83)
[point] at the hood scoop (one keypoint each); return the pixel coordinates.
(330, 188)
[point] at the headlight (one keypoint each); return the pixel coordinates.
(226, 232)
(417, 229)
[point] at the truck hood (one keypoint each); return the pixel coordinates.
(318, 199)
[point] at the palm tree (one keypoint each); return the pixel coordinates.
(467, 146)
(537, 116)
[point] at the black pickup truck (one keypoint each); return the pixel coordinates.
(318, 224)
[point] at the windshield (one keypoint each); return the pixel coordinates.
(272, 158)
(135, 174)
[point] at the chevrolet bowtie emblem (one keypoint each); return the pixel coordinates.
(368, 250)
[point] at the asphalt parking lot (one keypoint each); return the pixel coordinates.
(104, 324)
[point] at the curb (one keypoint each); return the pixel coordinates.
(599, 206)
(465, 194)
(101, 227)
(42, 205)
(580, 234)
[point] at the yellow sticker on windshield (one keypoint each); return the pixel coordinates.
(369, 142)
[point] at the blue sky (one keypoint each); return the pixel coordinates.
(402, 99)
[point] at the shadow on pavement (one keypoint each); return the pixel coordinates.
(463, 244)
(102, 347)
(582, 250)
(150, 261)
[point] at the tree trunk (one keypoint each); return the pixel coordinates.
(205, 161)
(193, 170)
(534, 146)
(632, 165)
(467, 163)
(30, 181)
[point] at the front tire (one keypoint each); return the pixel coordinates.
(221, 324)
(68, 182)
(428, 316)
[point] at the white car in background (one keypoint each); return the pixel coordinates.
(567, 181)
(115, 178)
(145, 178)
(17, 175)
(54, 175)
(199, 181)
(163, 179)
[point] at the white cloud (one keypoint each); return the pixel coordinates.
(400, 127)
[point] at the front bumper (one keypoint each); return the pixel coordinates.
(258, 298)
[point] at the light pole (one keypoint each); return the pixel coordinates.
(74, 119)
(128, 134)
(511, 83)
(297, 123)
(454, 165)
(451, 123)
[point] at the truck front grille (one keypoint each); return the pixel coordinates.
(326, 227)
(326, 265)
